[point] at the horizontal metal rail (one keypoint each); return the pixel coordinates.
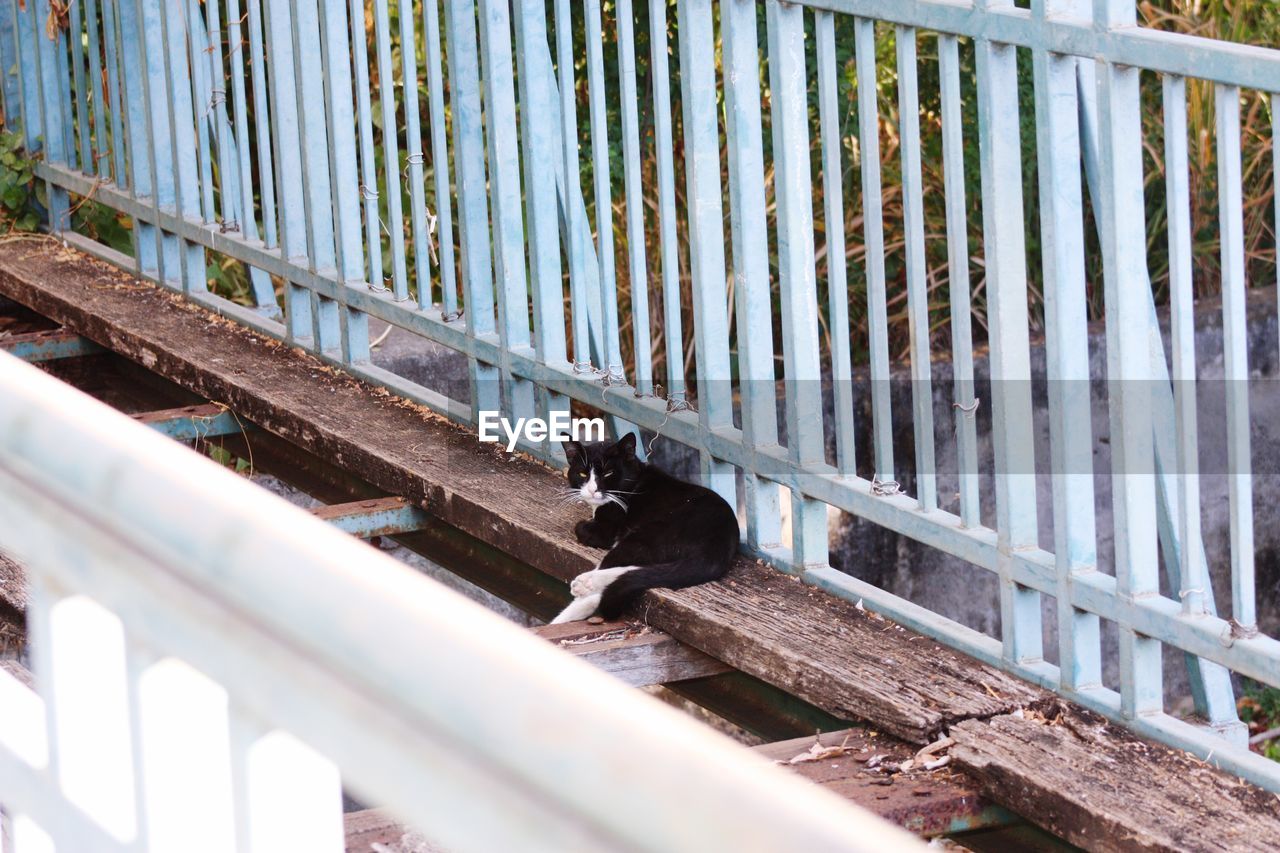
(197, 618)
(497, 215)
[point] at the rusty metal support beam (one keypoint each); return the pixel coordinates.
(47, 346)
(186, 423)
(374, 517)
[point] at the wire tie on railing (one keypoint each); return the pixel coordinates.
(379, 288)
(417, 158)
(884, 488)
(370, 195)
(431, 236)
(216, 96)
(1197, 590)
(452, 315)
(675, 403)
(969, 409)
(1243, 632)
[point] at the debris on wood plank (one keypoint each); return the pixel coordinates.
(1102, 788)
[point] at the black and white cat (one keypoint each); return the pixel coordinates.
(660, 531)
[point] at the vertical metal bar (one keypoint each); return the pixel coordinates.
(572, 187)
(414, 155)
(917, 274)
(75, 34)
(1128, 359)
(632, 177)
(793, 190)
(288, 150)
(1235, 344)
(833, 211)
(156, 83)
(42, 597)
(341, 134)
(263, 291)
(146, 236)
(603, 193)
(749, 228)
(964, 405)
(504, 191)
(368, 164)
(313, 137)
(186, 189)
(65, 95)
(25, 46)
(473, 209)
(10, 67)
(52, 95)
(1001, 157)
(873, 239)
(1182, 326)
(1067, 351)
(390, 149)
(138, 658)
(111, 41)
(200, 87)
(537, 99)
(440, 160)
(706, 232)
(227, 195)
(262, 126)
(101, 155)
(672, 331)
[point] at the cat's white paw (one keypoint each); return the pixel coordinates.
(594, 581)
(588, 583)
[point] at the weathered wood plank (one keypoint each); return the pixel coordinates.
(374, 830)
(639, 656)
(18, 671)
(1103, 789)
(13, 586)
(866, 767)
(842, 660)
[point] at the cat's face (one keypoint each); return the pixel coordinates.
(603, 472)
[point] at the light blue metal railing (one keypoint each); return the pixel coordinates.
(212, 679)
(299, 200)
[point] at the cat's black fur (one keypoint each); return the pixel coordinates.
(679, 533)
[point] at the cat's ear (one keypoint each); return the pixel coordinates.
(572, 450)
(626, 446)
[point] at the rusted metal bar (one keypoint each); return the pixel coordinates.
(194, 422)
(47, 346)
(375, 517)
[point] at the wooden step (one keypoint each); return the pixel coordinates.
(639, 655)
(1101, 788)
(925, 794)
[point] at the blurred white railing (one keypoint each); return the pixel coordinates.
(214, 665)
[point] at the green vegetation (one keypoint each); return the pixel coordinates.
(18, 210)
(1260, 709)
